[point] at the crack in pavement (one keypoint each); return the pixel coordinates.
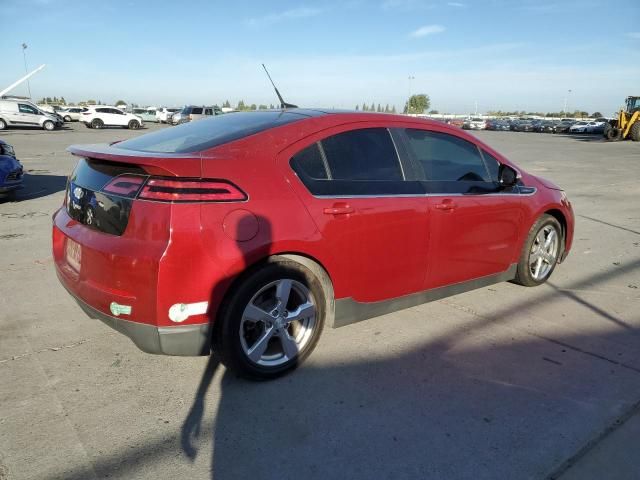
(48, 349)
(594, 442)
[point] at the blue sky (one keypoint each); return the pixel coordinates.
(502, 54)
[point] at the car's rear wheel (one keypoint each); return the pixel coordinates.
(272, 320)
(3, 124)
(97, 123)
(634, 133)
(541, 251)
(48, 125)
(133, 125)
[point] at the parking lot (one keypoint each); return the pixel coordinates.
(504, 382)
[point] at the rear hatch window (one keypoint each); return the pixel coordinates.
(209, 133)
(88, 204)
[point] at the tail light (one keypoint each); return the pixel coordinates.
(181, 190)
(173, 189)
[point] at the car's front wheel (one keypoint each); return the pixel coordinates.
(48, 125)
(541, 251)
(272, 321)
(3, 124)
(67, 118)
(133, 125)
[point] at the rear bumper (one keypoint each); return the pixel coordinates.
(183, 340)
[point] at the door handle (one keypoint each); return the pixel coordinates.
(339, 209)
(446, 205)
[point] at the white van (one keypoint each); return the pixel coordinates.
(23, 113)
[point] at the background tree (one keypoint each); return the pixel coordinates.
(357, 107)
(91, 102)
(63, 101)
(386, 108)
(393, 110)
(241, 106)
(434, 112)
(262, 107)
(253, 106)
(120, 102)
(596, 115)
(417, 103)
(373, 107)
(226, 104)
(379, 109)
(271, 107)
(365, 107)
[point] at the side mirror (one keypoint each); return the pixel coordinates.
(507, 176)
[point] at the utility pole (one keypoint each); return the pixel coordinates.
(26, 70)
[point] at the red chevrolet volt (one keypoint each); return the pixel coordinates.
(245, 233)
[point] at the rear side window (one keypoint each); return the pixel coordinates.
(367, 154)
(196, 111)
(208, 111)
(310, 162)
(210, 132)
(355, 163)
(446, 158)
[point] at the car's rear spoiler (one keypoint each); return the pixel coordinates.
(168, 164)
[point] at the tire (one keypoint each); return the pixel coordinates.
(531, 255)
(48, 125)
(133, 125)
(249, 320)
(97, 123)
(3, 124)
(634, 133)
(612, 134)
(67, 119)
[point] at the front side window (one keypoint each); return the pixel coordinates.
(196, 111)
(449, 164)
(208, 111)
(493, 165)
(24, 108)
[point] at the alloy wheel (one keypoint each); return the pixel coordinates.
(278, 323)
(544, 252)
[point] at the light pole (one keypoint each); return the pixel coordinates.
(565, 102)
(411, 77)
(26, 70)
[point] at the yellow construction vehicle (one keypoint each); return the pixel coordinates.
(628, 123)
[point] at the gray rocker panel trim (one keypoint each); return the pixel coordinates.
(349, 311)
(183, 340)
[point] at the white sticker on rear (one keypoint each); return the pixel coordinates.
(179, 312)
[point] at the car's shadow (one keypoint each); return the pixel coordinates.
(36, 185)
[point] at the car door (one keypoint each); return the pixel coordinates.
(118, 117)
(370, 213)
(474, 224)
(27, 115)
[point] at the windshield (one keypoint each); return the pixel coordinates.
(205, 134)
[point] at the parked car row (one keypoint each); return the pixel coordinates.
(534, 125)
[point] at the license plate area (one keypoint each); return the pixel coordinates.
(73, 254)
